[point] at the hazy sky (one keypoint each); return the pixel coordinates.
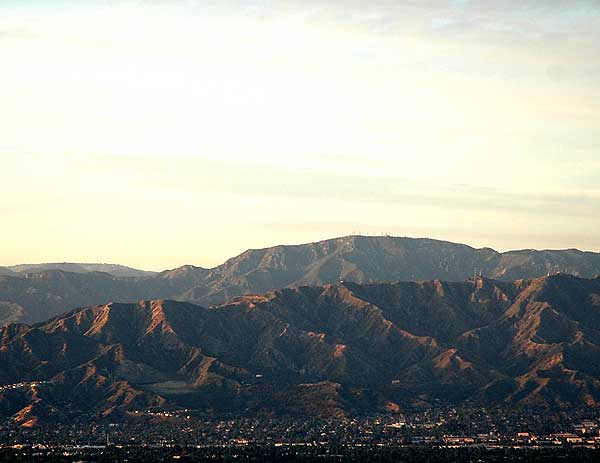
(159, 133)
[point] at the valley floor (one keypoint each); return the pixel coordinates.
(340, 454)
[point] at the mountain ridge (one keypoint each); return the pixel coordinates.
(353, 258)
(117, 270)
(324, 348)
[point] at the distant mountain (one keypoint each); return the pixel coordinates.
(372, 259)
(48, 293)
(330, 350)
(356, 259)
(113, 269)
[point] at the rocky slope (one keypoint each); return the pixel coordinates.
(333, 349)
(356, 258)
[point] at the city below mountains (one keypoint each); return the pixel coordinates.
(345, 326)
(33, 293)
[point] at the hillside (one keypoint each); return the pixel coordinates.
(6, 271)
(328, 350)
(354, 259)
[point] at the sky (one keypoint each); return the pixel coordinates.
(162, 133)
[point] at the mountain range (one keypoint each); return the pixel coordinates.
(35, 293)
(326, 350)
(113, 269)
